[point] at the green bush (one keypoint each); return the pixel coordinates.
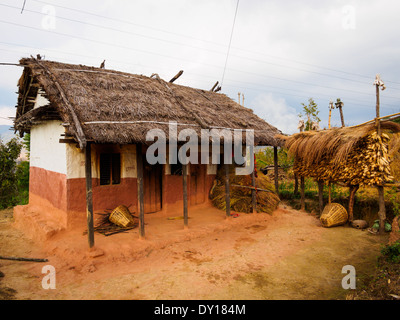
(9, 153)
(392, 252)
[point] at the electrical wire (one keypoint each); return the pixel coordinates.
(269, 87)
(209, 42)
(201, 48)
(230, 41)
(180, 59)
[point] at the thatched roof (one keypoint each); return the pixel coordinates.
(106, 106)
(352, 155)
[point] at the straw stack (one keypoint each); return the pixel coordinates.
(241, 198)
(354, 157)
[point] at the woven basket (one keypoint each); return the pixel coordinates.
(334, 214)
(121, 217)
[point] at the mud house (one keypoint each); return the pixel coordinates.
(88, 131)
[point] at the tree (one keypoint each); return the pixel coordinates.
(23, 172)
(311, 113)
(9, 153)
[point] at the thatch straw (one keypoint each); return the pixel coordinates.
(241, 198)
(105, 95)
(330, 154)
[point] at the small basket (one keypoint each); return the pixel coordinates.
(333, 215)
(122, 217)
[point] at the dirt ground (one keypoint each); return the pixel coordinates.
(287, 255)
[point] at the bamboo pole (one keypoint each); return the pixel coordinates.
(89, 194)
(140, 190)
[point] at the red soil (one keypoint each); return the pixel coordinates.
(286, 255)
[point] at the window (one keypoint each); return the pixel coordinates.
(110, 168)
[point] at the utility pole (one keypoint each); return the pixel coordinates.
(331, 107)
(339, 104)
(382, 210)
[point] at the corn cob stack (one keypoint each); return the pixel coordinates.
(366, 164)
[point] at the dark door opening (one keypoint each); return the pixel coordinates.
(152, 186)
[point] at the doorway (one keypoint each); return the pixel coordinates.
(152, 186)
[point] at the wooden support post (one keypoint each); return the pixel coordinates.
(320, 196)
(253, 192)
(253, 181)
(185, 197)
(296, 184)
(276, 169)
(353, 190)
(227, 192)
(382, 210)
(89, 194)
(140, 189)
(302, 200)
(329, 192)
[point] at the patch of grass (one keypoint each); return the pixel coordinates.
(392, 253)
(365, 201)
(384, 284)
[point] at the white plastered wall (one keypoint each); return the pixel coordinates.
(46, 151)
(76, 161)
(40, 100)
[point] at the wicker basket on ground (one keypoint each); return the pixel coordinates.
(122, 217)
(334, 214)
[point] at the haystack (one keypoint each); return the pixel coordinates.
(241, 198)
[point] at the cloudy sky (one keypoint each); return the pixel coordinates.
(281, 53)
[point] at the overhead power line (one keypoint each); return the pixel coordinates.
(235, 70)
(196, 47)
(200, 48)
(210, 42)
(173, 57)
(230, 41)
(119, 30)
